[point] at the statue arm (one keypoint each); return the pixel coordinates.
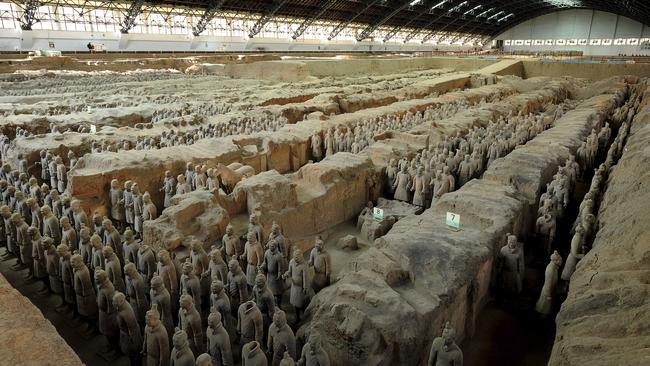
(163, 345)
(269, 341)
(226, 354)
(259, 329)
(433, 356)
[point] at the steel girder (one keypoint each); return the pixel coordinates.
(266, 17)
(131, 14)
(210, 12)
(346, 22)
(372, 27)
(310, 20)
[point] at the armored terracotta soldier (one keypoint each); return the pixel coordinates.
(167, 272)
(181, 354)
(113, 239)
(237, 286)
(273, 266)
(147, 264)
(546, 300)
(577, 245)
(220, 302)
(168, 187)
(217, 267)
(97, 224)
(130, 335)
(130, 247)
(161, 299)
(156, 340)
(107, 312)
(117, 202)
(61, 175)
(182, 187)
(445, 351)
(231, 243)
(402, 185)
(276, 235)
(419, 187)
(68, 234)
(280, 339)
(35, 213)
(138, 208)
(190, 284)
(256, 228)
(113, 268)
(320, 260)
(252, 354)
(149, 210)
(85, 247)
(218, 341)
(297, 272)
(128, 203)
(38, 253)
(97, 253)
(254, 256)
(201, 263)
(79, 215)
(84, 289)
(249, 322)
(512, 266)
(264, 299)
(24, 243)
(313, 353)
(189, 320)
(52, 266)
(136, 292)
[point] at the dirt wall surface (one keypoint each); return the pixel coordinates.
(28, 338)
(421, 275)
(606, 316)
(591, 71)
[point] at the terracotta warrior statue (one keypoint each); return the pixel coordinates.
(117, 201)
(67, 275)
(252, 354)
(217, 267)
(189, 320)
(219, 302)
(231, 243)
(136, 292)
(237, 286)
(264, 299)
(254, 256)
(156, 340)
(147, 265)
(169, 186)
(249, 323)
(181, 354)
(107, 311)
(130, 334)
(52, 266)
(113, 269)
(512, 266)
(320, 260)
(402, 185)
(83, 288)
(273, 266)
(313, 353)
(281, 339)
(444, 350)
(190, 284)
(161, 300)
(218, 341)
(299, 281)
(276, 235)
(546, 302)
(167, 272)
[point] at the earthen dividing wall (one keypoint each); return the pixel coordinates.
(606, 316)
(27, 338)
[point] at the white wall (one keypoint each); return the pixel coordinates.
(68, 41)
(579, 24)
